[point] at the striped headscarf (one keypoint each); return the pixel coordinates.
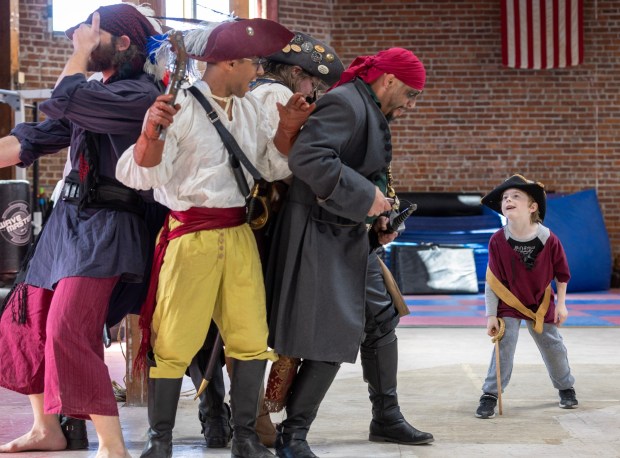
(122, 19)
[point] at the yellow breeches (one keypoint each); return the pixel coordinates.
(209, 274)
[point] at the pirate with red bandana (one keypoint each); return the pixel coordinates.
(327, 295)
(94, 240)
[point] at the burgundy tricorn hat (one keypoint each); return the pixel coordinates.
(244, 38)
(121, 19)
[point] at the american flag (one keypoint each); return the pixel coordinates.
(539, 34)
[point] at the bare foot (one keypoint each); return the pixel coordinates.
(36, 439)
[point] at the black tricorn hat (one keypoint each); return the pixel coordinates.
(313, 56)
(493, 200)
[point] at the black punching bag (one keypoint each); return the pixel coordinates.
(15, 227)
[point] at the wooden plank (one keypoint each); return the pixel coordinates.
(241, 8)
(270, 9)
(159, 6)
(9, 66)
(136, 386)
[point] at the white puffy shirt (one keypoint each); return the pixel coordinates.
(195, 170)
(268, 95)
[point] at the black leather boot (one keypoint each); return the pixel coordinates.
(309, 388)
(163, 399)
(213, 412)
(74, 431)
(245, 387)
(379, 366)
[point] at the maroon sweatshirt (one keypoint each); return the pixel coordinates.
(527, 285)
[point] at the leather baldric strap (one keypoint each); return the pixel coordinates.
(511, 300)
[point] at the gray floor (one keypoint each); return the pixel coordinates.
(441, 371)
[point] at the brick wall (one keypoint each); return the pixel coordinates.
(314, 18)
(477, 122)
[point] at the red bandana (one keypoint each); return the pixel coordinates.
(400, 62)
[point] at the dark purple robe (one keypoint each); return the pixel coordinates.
(98, 243)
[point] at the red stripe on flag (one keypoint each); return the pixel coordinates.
(504, 36)
(569, 34)
(556, 35)
(543, 36)
(580, 26)
(517, 29)
(530, 35)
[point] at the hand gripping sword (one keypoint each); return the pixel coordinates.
(180, 70)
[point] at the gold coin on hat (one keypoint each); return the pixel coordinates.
(296, 48)
(323, 69)
(319, 48)
(329, 57)
(249, 31)
(286, 49)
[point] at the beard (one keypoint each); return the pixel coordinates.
(103, 57)
(107, 57)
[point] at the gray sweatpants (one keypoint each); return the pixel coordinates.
(550, 345)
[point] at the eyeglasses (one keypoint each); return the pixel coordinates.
(316, 84)
(413, 94)
(258, 62)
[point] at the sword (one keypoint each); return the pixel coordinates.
(178, 75)
(217, 347)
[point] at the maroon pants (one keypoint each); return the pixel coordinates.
(59, 350)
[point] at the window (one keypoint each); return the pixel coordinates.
(64, 14)
(205, 10)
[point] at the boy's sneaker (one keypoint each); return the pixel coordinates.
(568, 399)
(486, 409)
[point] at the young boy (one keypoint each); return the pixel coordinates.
(524, 257)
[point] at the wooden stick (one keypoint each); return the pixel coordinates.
(499, 378)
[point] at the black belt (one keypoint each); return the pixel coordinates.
(70, 191)
(105, 194)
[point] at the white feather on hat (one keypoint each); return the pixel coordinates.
(147, 11)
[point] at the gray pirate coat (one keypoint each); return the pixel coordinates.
(316, 277)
